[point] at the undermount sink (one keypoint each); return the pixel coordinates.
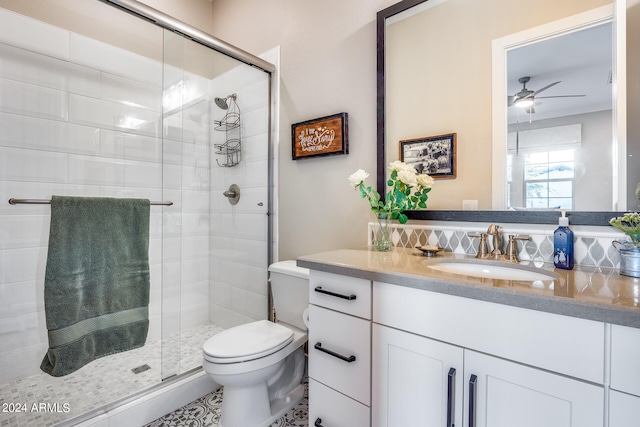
(492, 270)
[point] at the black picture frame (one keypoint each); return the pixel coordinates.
(432, 155)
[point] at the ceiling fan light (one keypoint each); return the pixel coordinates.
(524, 102)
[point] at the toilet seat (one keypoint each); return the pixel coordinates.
(247, 342)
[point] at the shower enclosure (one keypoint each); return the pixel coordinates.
(128, 111)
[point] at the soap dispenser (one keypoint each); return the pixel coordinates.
(563, 244)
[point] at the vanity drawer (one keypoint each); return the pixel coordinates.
(563, 344)
(329, 408)
(340, 352)
(625, 359)
(346, 294)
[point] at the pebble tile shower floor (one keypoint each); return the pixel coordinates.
(99, 383)
(205, 412)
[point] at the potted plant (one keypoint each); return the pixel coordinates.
(629, 223)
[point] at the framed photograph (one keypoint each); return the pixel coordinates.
(320, 137)
(433, 155)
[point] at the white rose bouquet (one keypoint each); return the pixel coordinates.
(408, 191)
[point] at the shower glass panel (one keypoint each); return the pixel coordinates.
(119, 107)
(79, 116)
(215, 255)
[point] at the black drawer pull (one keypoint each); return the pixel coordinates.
(349, 359)
(333, 294)
(473, 383)
(451, 396)
(318, 422)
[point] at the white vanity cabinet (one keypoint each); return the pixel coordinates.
(387, 355)
(624, 397)
(339, 350)
(416, 380)
(623, 409)
(433, 333)
(500, 393)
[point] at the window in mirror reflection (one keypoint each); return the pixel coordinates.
(545, 179)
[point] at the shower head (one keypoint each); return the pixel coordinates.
(222, 102)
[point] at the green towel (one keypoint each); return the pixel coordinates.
(96, 289)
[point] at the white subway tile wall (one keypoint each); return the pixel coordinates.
(80, 117)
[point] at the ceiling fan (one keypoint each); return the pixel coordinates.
(524, 99)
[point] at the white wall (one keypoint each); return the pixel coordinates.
(328, 63)
(328, 66)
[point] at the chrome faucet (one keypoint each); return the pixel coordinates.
(494, 230)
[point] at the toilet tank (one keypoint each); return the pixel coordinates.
(290, 289)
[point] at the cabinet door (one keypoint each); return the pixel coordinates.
(329, 408)
(623, 409)
(625, 363)
(416, 380)
(500, 393)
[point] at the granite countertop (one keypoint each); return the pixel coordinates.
(593, 293)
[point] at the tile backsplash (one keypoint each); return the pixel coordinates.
(592, 246)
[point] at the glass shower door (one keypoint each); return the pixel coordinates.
(215, 253)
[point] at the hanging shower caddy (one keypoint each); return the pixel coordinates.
(231, 148)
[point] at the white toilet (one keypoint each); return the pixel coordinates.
(261, 364)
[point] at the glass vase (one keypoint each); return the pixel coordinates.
(382, 240)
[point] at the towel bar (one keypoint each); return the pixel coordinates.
(13, 201)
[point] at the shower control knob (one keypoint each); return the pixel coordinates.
(233, 194)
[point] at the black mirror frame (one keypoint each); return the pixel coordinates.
(530, 217)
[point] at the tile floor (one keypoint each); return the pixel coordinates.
(99, 383)
(205, 412)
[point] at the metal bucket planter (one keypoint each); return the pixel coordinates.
(629, 258)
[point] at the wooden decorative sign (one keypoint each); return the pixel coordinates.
(320, 137)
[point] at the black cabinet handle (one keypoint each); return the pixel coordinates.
(318, 422)
(349, 359)
(333, 294)
(473, 382)
(451, 396)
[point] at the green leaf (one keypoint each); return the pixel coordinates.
(402, 218)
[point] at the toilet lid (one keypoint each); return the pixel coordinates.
(247, 342)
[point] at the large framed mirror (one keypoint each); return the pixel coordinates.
(446, 82)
